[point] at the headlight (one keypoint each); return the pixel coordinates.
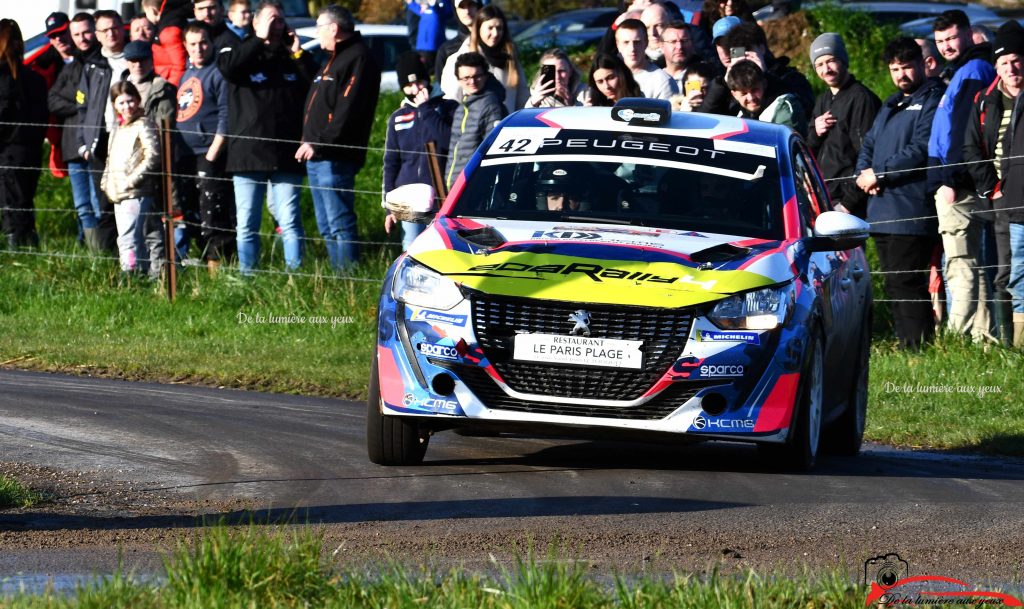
(763, 309)
(419, 286)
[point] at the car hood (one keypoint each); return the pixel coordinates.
(600, 263)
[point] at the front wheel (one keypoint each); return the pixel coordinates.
(800, 452)
(391, 440)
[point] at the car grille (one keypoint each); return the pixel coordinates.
(496, 320)
(493, 397)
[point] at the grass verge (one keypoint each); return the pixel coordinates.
(13, 494)
(257, 568)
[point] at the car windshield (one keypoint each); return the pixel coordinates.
(653, 180)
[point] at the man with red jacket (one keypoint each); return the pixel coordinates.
(170, 17)
(336, 129)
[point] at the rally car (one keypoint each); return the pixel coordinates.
(629, 272)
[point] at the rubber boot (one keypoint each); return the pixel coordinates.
(1004, 321)
(92, 239)
(1018, 330)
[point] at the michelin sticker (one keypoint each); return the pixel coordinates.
(711, 336)
(437, 317)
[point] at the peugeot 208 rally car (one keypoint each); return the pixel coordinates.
(629, 272)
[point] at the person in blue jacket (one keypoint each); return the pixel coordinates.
(430, 32)
(420, 119)
(899, 207)
(968, 73)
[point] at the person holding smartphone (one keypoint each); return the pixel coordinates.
(557, 84)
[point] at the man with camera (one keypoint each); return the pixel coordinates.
(268, 76)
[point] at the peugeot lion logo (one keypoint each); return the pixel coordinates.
(582, 327)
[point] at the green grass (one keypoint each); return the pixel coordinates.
(13, 494)
(268, 569)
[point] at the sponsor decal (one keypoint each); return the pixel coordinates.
(565, 234)
(595, 272)
(407, 400)
(702, 422)
(438, 317)
(719, 371)
(582, 320)
(440, 404)
(438, 350)
(627, 114)
(891, 585)
(712, 336)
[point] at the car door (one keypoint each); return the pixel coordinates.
(829, 274)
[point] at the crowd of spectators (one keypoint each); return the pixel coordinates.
(934, 167)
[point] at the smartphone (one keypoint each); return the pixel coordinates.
(737, 52)
(547, 76)
(691, 85)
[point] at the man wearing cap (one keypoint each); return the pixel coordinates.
(96, 113)
(842, 116)
(159, 97)
(339, 114)
(420, 119)
(718, 99)
(995, 114)
(631, 43)
(62, 104)
(968, 73)
(50, 65)
(465, 12)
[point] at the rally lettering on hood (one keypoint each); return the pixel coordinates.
(595, 272)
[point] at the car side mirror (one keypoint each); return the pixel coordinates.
(835, 230)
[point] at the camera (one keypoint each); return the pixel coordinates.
(885, 570)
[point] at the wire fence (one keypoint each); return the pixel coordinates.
(379, 193)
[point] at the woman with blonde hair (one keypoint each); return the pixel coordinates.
(22, 101)
(490, 37)
(561, 86)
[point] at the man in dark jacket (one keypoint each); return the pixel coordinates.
(267, 83)
(898, 205)
(969, 73)
(751, 37)
(995, 133)
(339, 114)
(481, 107)
(62, 104)
(841, 118)
(465, 13)
(50, 64)
(96, 114)
(420, 119)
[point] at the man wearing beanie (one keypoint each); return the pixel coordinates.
(995, 114)
(841, 117)
(420, 119)
(336, 129)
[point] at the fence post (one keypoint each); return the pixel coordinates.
(168, 190)
(435, 172)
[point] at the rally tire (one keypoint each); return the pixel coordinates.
(800, 452)
(846, 435)
(391, 440)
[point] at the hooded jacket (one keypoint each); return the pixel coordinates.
(854, 107)
(266, 91)
(898, 140)
(169, 55)
(474, 118)
(780, 107)
(973, 73)
(342, 102)
(409, 129)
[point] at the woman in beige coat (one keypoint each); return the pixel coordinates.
(130, 181)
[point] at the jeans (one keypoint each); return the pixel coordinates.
(83, 193)
(335, 209)
(411, 230)
(1016, 285)
(139, 236)
(250, 188)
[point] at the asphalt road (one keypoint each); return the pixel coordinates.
(182, 451)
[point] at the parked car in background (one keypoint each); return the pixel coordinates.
(898, 13)
(387, 42)
(568, 29)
